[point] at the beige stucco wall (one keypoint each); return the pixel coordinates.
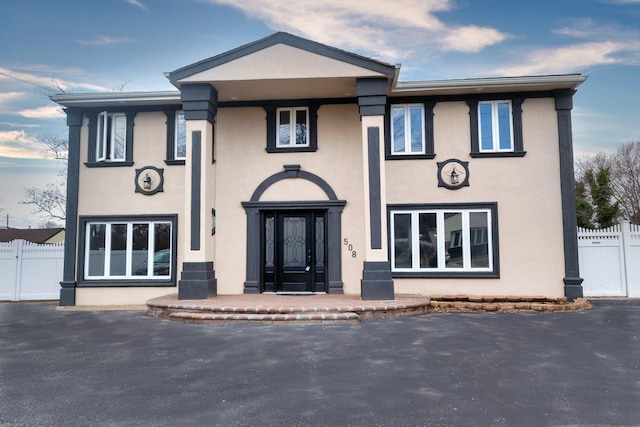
(111, 191)
(243, 164)
(526, 189)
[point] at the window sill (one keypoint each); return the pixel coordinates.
(498, 154)
(107, 164)
(410, 156)
(292, 150)
(126, 283)
(173, 162)
(446, 275)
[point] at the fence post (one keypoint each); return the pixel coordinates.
(626, 252)
(17, 247)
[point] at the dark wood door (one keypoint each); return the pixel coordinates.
(294, 251)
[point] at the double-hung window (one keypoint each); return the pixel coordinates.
(496, 132)
(496, 128)
(292, 127)
(128, 250)
(447, 241)
(407, 129)
(111, 140)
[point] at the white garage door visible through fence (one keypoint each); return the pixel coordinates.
(609, 260)
(29, 271)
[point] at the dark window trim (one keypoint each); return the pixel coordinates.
(516, 124)
(170, 159)
(93, 138)
(125, 283)
(271, 111)
(492, 206)
(429, 144)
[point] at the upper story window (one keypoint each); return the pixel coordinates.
(496, 128)
(293, 127)
(111, 137)
(495, 120)
(180, 137)
(407, 129)
(176, 137)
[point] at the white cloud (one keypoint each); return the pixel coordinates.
(377, 26)
(571, 58)
(472, 38)
(49, 112)
(17, 144)
(137, 3)
(105, 41)
(47, 83)
(7, 97)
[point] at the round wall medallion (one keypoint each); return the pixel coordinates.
(453, 174)
(149, 180)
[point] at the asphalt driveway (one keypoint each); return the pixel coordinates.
(67, 368)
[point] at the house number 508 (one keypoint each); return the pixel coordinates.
(349, 246)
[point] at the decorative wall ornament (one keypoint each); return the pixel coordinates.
(149, 180)
(453, 174)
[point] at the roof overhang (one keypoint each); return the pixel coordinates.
(112, 99)
(489, 85)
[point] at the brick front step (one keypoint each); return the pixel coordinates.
(327, 309)
(271, 319)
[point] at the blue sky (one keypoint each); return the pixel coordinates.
(84, 46)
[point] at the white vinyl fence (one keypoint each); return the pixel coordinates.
(29, 271)
(610, 260)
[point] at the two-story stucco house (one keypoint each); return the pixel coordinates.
(286, 165)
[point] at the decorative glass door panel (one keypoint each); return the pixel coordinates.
(295, 242)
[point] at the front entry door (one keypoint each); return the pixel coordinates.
(294, 251)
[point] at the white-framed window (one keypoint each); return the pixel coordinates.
(407, 129)
(180, 137)
(292, 127)
(494, 126)
(111, 141)
(128, 250)
(447, 240)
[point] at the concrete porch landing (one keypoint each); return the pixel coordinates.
(276, 309)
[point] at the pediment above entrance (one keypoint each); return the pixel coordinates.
(282, 66)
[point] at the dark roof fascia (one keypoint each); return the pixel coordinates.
(290, 40)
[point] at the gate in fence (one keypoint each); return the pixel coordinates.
(610, 260)
(29, 271)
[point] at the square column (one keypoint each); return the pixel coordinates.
(198, 279)
(376, 280)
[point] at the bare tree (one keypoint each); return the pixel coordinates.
(50, 202)
(625, 179)
(624, 168)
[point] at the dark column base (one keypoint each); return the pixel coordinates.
(376, 283)
(251, 288)
(336, 288)
(198, 281)
(573, 288)
(67, 293)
